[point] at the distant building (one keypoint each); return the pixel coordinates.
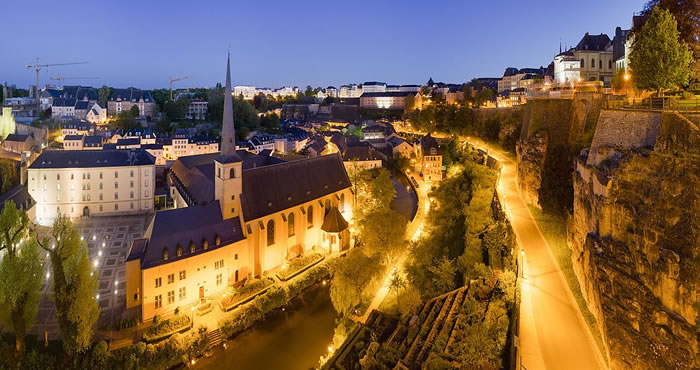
(96, 114)
(76, 128)
(80, 183)
(63, 107)
(197, 109)
(385, 100)
(429, 159)
(350, 91)
(248, 92)
(18, 143)
(373, 87)
(123, 99)
(514, 78)
(591, 60)
(362, 157)
(400, 147)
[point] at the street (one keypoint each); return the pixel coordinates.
(553, 334)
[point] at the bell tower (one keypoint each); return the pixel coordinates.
(228, 167)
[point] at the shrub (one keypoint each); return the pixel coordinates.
(166, 328)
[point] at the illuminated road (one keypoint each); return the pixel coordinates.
(553, 334)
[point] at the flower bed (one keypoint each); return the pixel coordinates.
(299, 265)
(246, 293)
(204, 309)
(245, 316)
(166, 328)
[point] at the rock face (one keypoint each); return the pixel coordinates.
(548, 124)
(635, 237)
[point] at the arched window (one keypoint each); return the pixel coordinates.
(270, 232)
(310, 217)
(231, 174)
(327, 206)
(592, 63)
(600, 63)
(342, 202)
(178, 250)
(217, 242)
(165, 254)
(583, 63)
(610, 64)
(192, 247)
(290, 224)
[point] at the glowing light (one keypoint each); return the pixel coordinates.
(94, 237)
(97, 296)
(192, 309)
(331, 349)
(115, 292)
(81, 238)
(324, 282)
(99, 254)
(522, 253)
(116, 283)
(48, 275)
(627, 76)
(284, 267)
(103, 244)
(94, 263)
(53, 246)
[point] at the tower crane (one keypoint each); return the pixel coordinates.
(60, 79)
(175, 80)
(37, 67)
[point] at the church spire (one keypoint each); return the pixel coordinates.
(228, 132)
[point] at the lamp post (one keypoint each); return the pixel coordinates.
(627, 78)
(192, 309)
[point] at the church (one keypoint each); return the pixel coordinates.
(237, 216)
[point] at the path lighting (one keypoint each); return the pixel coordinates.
(81, 238)
(94, 237)
(94, 263)
(48, 275)
(103, 244)
(97, 296)
(627, 76)
(330, 349)
(99, 254)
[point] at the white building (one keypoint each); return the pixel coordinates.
(590, 60)
(350, 91)
(248, 92)
(80, 183)
(197, 109)
(97, 114)
(373, 87)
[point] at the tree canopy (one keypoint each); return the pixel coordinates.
(659, 59)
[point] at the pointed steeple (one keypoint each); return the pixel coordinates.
(228, 132)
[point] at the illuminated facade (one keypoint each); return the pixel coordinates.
(81, 183)
(385, 100)
(429, 159)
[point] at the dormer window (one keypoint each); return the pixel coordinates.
(217, 240)
(178, 250)
(205, 244)
(192, 247)
(165, 254)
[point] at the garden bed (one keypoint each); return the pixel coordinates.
(166, 328)
(204, 309)
(299, 265)
(246, 293)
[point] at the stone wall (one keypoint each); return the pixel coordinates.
(548, 124)
(635, 238)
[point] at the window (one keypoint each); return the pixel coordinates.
(290, 224)
(58, 176)
(100, 204)
(183, 293)
(71, 176)
(178, 251)
(310, 217)
(165, 254)
(600, 63)
(100, 196)
(217, 241)
(131, 174)
(136, 297)
(219, 279)
(231, 173)
(171, 278)
(327, 207)
(116, 196)
(100, 175)
(171, 297)
(116, 174)
(131, 184)
(131, 195)
(342, 202)
(116, 207)
(192, 247)
(610, 64)
(235, 257)
(270, 232)
(159, 301)
(58, 186)
(183, 275)
(218, 264)
(100, 186)
(116, 185)
(159, 282)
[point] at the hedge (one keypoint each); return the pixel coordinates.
(246, 293)
(176, 324)
(299, 265)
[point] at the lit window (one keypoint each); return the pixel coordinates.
(183, 275)
(158, 282)
(171, 297)
(219, 279)
(171, 278)
(165, 254)
(159, 301)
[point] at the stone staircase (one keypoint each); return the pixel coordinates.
(214, 338)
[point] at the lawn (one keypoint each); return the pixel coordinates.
(248, 291)
(554, 230)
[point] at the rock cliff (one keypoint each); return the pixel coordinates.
(635, 237)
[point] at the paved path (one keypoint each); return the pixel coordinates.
(553, 334)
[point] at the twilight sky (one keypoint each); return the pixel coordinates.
(274, 43)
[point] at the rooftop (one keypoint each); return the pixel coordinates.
(91, 158)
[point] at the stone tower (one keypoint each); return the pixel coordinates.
(228, 167)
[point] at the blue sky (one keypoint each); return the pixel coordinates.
(276, 43)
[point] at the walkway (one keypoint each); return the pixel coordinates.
(553, 333)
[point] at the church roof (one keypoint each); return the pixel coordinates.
(334, 222)
(182, 226)
(274, 188)
(593, 42)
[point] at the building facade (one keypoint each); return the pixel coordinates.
(429, 159)
(80, 183)
(123, 99)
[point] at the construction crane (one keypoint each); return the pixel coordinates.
(60, 79)
(175, 80)
(37, 67)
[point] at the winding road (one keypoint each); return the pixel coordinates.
(553, 333)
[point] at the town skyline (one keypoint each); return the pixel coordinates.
(442, 48)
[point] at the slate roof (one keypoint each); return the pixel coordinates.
(396, 141)
(17, 137)
(271, 189)
(428, 142)
(182, 226)
(132, 95)
(361, 153)
(19, 195)
(63, 102)
(73, 137)
(593, 42)
(374, 83)
(129, 141)
(91, 158)
(82, 104)
(334, 222)
(93, 141)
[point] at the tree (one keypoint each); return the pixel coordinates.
(270, 122)
(373, 190)
(8, 174)
(176, 110)
(125, 120)
(135, 112)
(396, 283)
(20, 273)
(351, 276)
(103, 95)
(383, 233)
(74, 285)
(309, 91)
(659, 60)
